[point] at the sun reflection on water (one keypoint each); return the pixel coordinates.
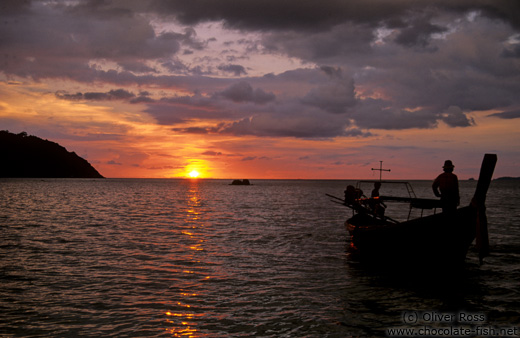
(184, 315)
(182, 321)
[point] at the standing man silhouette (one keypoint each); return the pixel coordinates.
(448, 184)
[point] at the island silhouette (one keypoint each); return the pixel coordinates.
(241, 182)
(23, 155)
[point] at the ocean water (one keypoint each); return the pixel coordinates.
(202, 258)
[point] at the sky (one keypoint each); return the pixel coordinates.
(267, 89)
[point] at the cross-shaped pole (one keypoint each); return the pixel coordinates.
(381, 170)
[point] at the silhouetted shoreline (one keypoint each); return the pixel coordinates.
(25, 156)
(506, 178)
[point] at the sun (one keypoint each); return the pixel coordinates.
(194, 174)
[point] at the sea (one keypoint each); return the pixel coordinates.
(203, 258)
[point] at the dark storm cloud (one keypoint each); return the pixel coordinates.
(14, 7)
(321, 15)
(289, 119)
(117, 94)
(136, 67)
(236, 70)
(288, 15)
(48, 38)
(176, 66)
(317, 108)
(418, 33)
(511, 51)
(385, 64)
(300, 126)
(334, 97)
(455, 117)
(243, 92)
(379, 114)
(322, 47)
(509, 115)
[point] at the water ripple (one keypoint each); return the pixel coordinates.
(181, 258)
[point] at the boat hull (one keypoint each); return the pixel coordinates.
(437, 240)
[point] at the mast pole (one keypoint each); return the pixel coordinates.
(381, 170)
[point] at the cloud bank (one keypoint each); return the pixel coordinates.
(370, 65)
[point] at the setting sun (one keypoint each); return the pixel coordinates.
(194, 174)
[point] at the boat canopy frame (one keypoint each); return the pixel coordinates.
(418, 203)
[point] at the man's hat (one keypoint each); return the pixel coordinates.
(448, 164)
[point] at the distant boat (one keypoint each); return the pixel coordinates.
(436, 240)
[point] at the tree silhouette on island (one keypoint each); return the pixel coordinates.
(30, 156)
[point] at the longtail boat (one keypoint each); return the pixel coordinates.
(438, 239)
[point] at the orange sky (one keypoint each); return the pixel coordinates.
(153, 94)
